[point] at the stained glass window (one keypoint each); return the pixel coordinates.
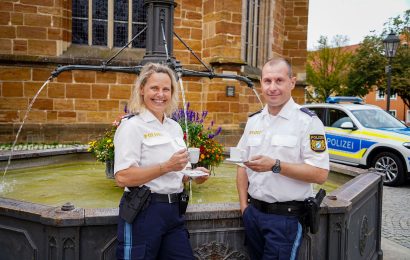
(139, 21)
(80, 21)
(99, 19)
(100, 22)
(120, 22)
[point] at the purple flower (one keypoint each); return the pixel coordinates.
(218, 131)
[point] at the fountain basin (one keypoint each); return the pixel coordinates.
(350, 226)
(83, 184)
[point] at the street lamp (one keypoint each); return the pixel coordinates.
(390, 46)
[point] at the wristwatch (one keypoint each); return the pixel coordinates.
(276, 167)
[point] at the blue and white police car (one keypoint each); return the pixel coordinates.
(365, 135)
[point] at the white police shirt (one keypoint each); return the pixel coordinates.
(142, 141)
(292, 136)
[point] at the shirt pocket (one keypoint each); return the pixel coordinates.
(254, 141)
(155, 141)
(284, 140)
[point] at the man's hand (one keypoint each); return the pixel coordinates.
(260, 163)
(202, 179)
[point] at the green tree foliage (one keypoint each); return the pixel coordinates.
(369, 63)
(401, 74)
(326, 69)
(366, 68)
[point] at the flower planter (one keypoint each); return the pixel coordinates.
(109, 169)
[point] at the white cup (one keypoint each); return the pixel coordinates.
(193, 154)
(238, 154)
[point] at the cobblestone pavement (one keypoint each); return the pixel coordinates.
(396, 214)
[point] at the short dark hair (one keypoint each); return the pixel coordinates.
(277, 60)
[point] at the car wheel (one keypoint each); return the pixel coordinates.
(391, 166)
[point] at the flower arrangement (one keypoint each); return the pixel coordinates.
(103, 147)
(211, 151)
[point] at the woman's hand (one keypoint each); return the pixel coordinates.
(177, 162)
(243, 208)
(202, 179)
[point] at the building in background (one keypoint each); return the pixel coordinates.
(235, 36)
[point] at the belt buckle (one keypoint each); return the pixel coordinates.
(169, 198)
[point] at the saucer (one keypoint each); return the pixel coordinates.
(235, 160)
(194, 173)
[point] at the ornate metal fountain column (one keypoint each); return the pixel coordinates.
(160, 21)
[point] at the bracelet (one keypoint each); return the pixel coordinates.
(160, 168)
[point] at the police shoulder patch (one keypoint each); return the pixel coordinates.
(318, 143)
(257, 112)
(308, 111)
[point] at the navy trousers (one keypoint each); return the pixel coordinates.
(270, 236)
(158, 232)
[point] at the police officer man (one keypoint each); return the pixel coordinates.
(150, 151)
(287, 152)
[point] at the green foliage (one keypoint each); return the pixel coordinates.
(332, 71)
(326, 69)
(103, 147)
(369, 63)
(366, 68)
(401, 74)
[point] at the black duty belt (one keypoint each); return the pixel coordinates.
(168, 198)
(289, 208)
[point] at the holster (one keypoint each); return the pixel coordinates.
(183, 202)
(134, 202)
(312, 205)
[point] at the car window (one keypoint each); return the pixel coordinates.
(320, 112)
(376, 118)
(337, 117)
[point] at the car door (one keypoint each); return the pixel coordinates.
(343, 144)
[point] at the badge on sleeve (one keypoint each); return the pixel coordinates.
(317, 143)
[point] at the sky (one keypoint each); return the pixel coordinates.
(353, 18)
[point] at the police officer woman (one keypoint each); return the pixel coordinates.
(150, 151)
(287, 152)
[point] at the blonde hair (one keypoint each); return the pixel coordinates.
(136, 103)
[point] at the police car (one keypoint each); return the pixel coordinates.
(366, 136)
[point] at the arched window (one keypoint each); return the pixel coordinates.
(110, 23)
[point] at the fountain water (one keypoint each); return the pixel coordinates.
(21, 126)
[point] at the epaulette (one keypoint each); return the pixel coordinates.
(308, 111)
(257, 112)
(128, 116)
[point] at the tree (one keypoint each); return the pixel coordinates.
(401, 74)
(326, 69)
(366, 68)
(368, 63)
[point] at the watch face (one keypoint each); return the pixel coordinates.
(276, 167)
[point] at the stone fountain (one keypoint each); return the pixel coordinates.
(350, 217)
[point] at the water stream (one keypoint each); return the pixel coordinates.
(18, 132)
(257, 95)
(185, 108)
